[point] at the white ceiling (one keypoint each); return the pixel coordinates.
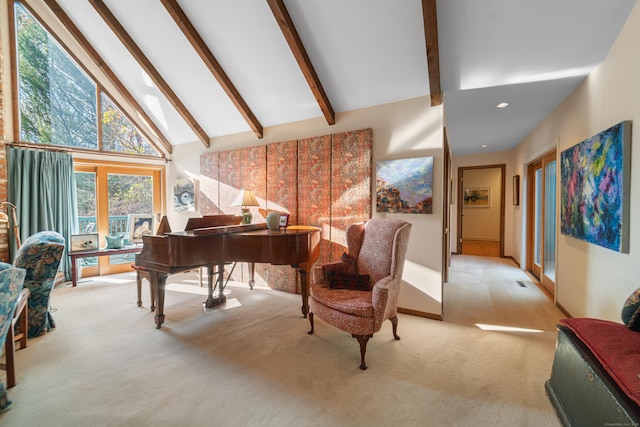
(532, 54)
(365, 53)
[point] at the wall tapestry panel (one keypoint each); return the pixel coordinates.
(296, 177)
(209, 185)
(595, 178)
(314, 187)
(350, 185)
(282, 195)
(282, 178)
(243, 168)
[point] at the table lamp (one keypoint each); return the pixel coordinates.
(245, 199)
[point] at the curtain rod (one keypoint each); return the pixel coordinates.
(37, 146)
(46, 147)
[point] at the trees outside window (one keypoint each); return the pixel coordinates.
(58, 101)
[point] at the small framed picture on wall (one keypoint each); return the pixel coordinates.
(477, 197)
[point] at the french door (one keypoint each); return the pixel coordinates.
(541, 220)
(107, 195)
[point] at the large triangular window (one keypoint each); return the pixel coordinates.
(118, 134)
(58, 101)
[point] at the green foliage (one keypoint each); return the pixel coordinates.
(86, 193)
(118, 134)
(130, 194)
(127, 194)
(58, 100)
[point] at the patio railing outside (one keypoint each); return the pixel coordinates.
(118, 224)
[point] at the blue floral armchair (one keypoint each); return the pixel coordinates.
(11, 282)
(40, 255)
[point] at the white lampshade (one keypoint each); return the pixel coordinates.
(245, 198)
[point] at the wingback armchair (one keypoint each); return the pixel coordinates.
(359, 293)
(40, 255)
(11, 282)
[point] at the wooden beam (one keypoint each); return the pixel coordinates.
(148, 67)
(430, 18)
(165, 145)
(297, 48)
(212, 64)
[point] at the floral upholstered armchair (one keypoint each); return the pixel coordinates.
(359, 293)
(11, 282)
(40, 255)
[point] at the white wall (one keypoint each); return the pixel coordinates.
(593, 281)
(483, 223)
(402, 129)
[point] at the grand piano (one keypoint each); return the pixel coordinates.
(213, 246)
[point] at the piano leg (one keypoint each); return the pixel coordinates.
(304, 288)
(211, 300)
(158, 284)
(252, 272)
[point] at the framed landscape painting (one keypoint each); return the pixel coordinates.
(405, 185)
(477, 197)
(595, 178)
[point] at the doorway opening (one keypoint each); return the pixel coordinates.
(481, 210)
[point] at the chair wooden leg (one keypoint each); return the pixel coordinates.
(310, 331)
(363, 340)
(10, 352)
(394, 322)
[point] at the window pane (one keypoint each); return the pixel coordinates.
(56, 99)
(118, 134)
(537, 221)
(86, 195)
(128, 194)
(550, 221)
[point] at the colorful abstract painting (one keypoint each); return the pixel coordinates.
(405, 185)
(595, 188)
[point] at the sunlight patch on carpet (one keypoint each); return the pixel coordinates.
(106, 279)
(498, 328)
(230, 303)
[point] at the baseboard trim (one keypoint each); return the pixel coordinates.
(563, 310)
(420, 313)
(512, 258)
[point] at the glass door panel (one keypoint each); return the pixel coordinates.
(541, 219)
(108, 195)
(550, 222)
(87, 216)
(537, 221)
(128, 194)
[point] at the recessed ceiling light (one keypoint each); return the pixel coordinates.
(484, 146)
(502, 105)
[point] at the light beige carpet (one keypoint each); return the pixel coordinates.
(251, 362)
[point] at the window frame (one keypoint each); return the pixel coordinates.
(102, 169)
(13, 57)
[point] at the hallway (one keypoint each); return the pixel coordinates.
(481, 248)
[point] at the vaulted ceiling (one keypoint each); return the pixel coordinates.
(197, 70)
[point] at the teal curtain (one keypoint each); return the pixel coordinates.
(42, 186)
